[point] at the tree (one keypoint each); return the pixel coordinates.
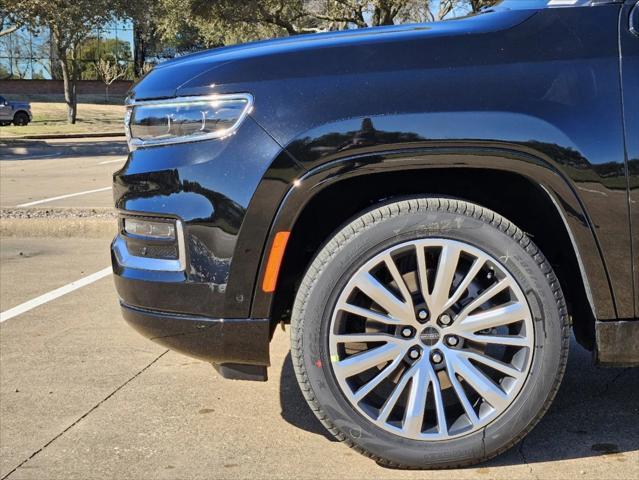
(340, 14)
(146, 68)
(8, 22)
(166, 28)
(181, 31)
(4, 73)
(95, 48)
(16, 48)
(70, 23)
(145, 17)
(290, 17)
(477, 5)
(253, 19)
(109, 70)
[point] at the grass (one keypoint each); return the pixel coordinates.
(51, 118)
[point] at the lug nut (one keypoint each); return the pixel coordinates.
(452, 341)
(414, 353)
(422, 314)
(407, 332)
(437, 357)
(445, 320)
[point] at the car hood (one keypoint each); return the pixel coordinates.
(231, 69)
(16, 105)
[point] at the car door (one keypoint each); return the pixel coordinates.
(5, 110)
(629, 41)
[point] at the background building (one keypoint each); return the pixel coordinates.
(30, 56)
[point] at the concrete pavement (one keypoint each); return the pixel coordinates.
(84, 396)
(59, 173)
(12, 149)
(28, 181)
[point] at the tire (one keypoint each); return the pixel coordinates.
(20, 119)
(413, 436)
(4, 124)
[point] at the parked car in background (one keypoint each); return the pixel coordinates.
(18, 113)
(432, 208)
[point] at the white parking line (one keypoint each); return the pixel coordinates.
(21, 154)
(592, 191)
(48, 155)
(113, 161)
(53, 294)
(63, 196)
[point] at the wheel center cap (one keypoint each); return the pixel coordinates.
(429, 336)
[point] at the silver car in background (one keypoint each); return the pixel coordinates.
(18, 113)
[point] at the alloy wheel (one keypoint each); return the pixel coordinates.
(431, 339)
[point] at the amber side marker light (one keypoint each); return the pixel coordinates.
(275, 261)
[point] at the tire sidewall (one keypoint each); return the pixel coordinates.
(338, 264)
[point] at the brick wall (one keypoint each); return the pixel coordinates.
(55, 87)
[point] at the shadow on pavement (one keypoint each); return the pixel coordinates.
(294, 407)
(595, 413)
(40, 149)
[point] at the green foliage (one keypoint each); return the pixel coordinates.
(94, 49)
(185, 25)
(70, 22)
(165, 28)
(4, 73)
(286, 17)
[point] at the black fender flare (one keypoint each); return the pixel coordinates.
(523, 161)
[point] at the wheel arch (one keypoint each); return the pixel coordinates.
(330, 195)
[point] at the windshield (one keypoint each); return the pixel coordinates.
(530, 4)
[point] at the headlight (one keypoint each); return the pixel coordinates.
(185, 119)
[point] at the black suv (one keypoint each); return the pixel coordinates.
(431, 207)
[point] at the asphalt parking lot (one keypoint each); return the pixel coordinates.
(84, 396)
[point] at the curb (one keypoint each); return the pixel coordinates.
(58, 222)
(17, 149)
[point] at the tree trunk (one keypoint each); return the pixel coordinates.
(106, 91)
(139, 48)
(54, 53)
(144, 33)
(67, 88)
(69, 79)
(74, 93)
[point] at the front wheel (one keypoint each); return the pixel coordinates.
(20, 119)
(429, 333)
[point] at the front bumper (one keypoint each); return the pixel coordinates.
(215, 340)
(221, 195)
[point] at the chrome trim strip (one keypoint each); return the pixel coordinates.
(562, 3)
(135, 143)
(179, 232)
(156, 264)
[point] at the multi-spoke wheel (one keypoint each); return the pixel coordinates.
(431, 339)
(429, 333)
